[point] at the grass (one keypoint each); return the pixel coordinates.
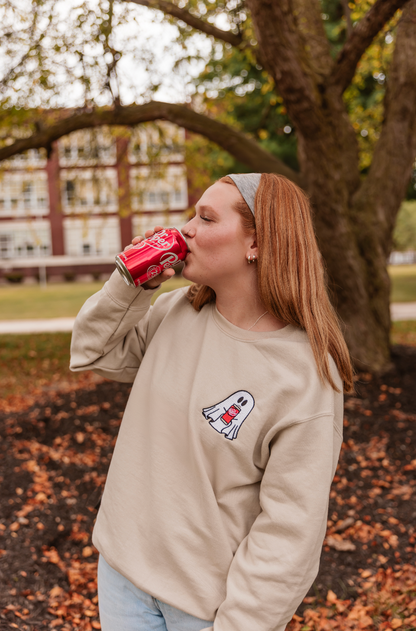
(404, 332)
(403, 283)
(31, 363)
(19, 302)
(60, 300)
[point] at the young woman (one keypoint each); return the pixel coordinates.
(215, 505)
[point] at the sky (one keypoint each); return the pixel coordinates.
(147, 42)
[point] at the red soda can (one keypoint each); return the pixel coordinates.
(228, 416)
(151, 256)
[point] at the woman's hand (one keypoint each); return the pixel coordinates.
(166, 274)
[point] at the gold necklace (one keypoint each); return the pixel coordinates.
(257, 320)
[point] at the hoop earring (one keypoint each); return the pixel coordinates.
(251, 259)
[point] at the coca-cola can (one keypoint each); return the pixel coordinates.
(151, 256)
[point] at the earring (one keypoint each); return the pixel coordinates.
(251, 259)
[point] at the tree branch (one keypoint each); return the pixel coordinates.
(347, 13)
(288, 61)
(236, 143)
(311, 28)
(394, 154)
(360, 39)
(200, 25)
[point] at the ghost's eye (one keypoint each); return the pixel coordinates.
(240, 399)
(243, 403)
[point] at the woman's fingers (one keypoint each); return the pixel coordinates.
(151, 232)
(148, 233)
(157, 280)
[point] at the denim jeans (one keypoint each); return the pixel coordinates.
(124, 607)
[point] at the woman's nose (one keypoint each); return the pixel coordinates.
(188, 229)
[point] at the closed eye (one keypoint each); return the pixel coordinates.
(205, 219)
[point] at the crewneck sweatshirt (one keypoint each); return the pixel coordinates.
(217, 494)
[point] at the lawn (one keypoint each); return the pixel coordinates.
(403, 283)
(29, 363)
(18, 302)
(60, 300)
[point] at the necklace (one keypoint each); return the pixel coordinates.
(257, 320)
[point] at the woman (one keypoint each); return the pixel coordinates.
(215, 505)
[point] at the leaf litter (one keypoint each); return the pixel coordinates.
(55, 450)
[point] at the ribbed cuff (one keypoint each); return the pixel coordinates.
(129, 297)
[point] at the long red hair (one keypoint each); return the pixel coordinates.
(290, 272)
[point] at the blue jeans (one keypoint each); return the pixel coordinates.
(124, 607)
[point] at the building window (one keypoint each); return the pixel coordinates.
(70, 192)
(27, 194)
(5, 245)
(86, 249)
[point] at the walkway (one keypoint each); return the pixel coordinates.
(399, 311)
(52, 325)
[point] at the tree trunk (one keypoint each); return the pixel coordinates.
(349, 232)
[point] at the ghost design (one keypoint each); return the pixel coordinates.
(228, 415)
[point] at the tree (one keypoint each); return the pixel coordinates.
(355, 209)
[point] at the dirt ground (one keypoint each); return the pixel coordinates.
(54, 457)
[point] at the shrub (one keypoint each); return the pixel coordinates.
(14, 277)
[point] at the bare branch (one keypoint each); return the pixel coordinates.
(236, 143)
(200, 25)
(360, 39)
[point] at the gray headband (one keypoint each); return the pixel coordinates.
(247, 184)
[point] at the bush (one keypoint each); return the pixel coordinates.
(69, 277)
(14, 277)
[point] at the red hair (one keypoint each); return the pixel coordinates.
(291, 276)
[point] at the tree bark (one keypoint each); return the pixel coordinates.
(328, 155)
(235, 142)
(360, 39)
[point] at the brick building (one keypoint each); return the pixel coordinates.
(72, 212)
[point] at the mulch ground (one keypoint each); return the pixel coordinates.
(54, 456)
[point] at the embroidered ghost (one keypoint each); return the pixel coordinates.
(228, 415)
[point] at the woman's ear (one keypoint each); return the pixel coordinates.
(252, 251)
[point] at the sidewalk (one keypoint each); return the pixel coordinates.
(399, 311)
(52, 325)
(403, 311)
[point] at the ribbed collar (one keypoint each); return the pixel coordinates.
(249, 336)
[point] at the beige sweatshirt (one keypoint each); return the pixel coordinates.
(217, 494)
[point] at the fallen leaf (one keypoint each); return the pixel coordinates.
(342, 545)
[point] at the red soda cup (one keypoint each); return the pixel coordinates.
(151, 256)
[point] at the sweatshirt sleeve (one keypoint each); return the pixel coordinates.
(277, 562)
(109, 335)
